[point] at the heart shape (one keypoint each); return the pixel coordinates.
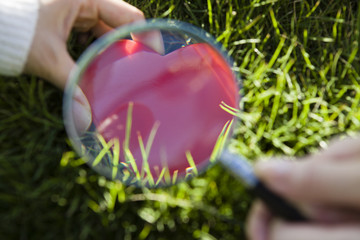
(181, 92)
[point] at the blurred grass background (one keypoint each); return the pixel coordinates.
(300, 67)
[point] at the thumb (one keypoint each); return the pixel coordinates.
(314, 182)
(81, 110)
(60, 71)
(55, 64)
(49, 61)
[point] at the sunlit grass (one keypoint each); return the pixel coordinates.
(105, 157)
(145, 166)
(116, 156)
(300, 70)
(231, 110)
(192, 169)
(221, 141)
(105, 150)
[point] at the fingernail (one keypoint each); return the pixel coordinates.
(152, 39)
(81, 111)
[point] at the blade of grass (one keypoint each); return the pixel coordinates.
(145, 165)
(227, 108)
(210, 13)
(102, 153)
(220, 142)
(116, 157)
(191, 162)
(175, 177)
(128, 125)
(161, 175)
(152, 137)
(274, 21)
(130, 159)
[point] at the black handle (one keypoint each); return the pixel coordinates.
(278, 205)
(240, 168)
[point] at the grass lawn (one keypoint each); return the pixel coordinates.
(300, 67)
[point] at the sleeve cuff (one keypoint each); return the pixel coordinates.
(18, 19)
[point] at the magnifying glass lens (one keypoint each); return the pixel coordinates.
(156, 115)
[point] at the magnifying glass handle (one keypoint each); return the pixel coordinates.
(276, 204)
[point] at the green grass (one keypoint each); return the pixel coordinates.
(300, 67)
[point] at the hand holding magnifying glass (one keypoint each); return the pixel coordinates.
(160, 118)
(325, 184)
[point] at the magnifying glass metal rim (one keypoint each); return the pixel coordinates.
(120, 33)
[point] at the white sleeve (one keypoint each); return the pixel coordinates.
(18, 19)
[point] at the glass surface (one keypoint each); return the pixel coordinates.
(160, 97)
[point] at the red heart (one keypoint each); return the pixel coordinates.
(181, 90)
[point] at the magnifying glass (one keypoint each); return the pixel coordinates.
(154, 103)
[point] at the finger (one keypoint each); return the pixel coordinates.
(258, 221)
(334, 183)
(87, 16)
(285, 231)
(152, 39)
(81, 111)
(105, 15)
(63, 66)
(80, 106)
(100, 29)
(328, 214)
(58, 75)
(51, 62)
(117, 13)
(342, 149)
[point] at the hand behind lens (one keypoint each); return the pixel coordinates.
(48, 57)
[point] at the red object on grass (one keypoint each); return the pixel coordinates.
(182, 91)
